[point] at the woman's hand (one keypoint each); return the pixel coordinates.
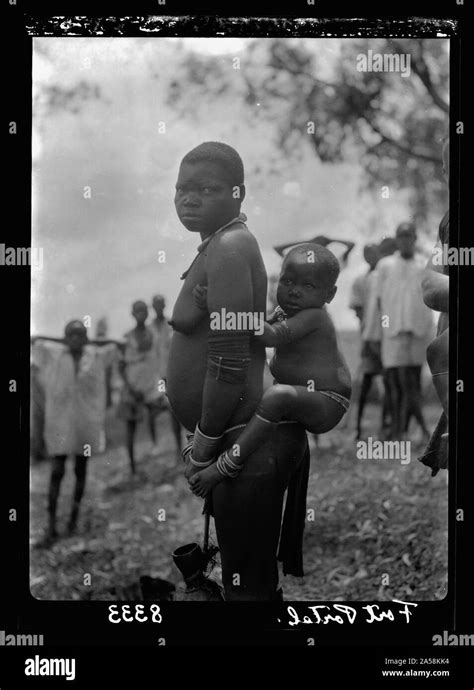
(200, 297)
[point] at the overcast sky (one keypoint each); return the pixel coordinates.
(101, 253)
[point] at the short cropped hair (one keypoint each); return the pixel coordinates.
(75, 323)
(323, 260)
(222, 154)
(371, 245)
(139, 303)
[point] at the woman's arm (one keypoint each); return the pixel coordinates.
(230, 287)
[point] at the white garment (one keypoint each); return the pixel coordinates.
(143, 366)
(397, 294)
(362, 288)
(163, 333)
(75, 403)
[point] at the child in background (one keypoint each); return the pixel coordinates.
(313, 383)
(163, 332)
(142, 377)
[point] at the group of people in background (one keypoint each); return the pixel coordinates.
(394, 301)
(396, 327)
(74, 381)
(143, 369)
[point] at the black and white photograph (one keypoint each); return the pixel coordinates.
(239, 319)
(237, 311)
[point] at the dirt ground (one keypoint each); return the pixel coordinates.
(378, 530)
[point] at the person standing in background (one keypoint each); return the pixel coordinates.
(143, 389)
(163, 333)
(370, 364)
(73, 373)
(101, 331)
(400, 325)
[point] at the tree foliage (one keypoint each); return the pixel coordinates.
(312, 94)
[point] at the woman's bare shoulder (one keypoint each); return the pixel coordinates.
(238, 239)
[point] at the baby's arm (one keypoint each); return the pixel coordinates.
(276, 316)
(274, 332)
(294, 328)
(200, 299)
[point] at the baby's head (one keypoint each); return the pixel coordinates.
(210, 187)
(140, 312)
(308, 278)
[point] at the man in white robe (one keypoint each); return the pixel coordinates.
(72, 375)
(400, 322)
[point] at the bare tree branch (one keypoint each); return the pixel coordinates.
(420, 68)
(282, 66)
(413, 153)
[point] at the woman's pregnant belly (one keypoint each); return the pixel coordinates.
(186, 373)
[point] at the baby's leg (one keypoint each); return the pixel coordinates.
(315, 411)
(273, 406)
(437, 355)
